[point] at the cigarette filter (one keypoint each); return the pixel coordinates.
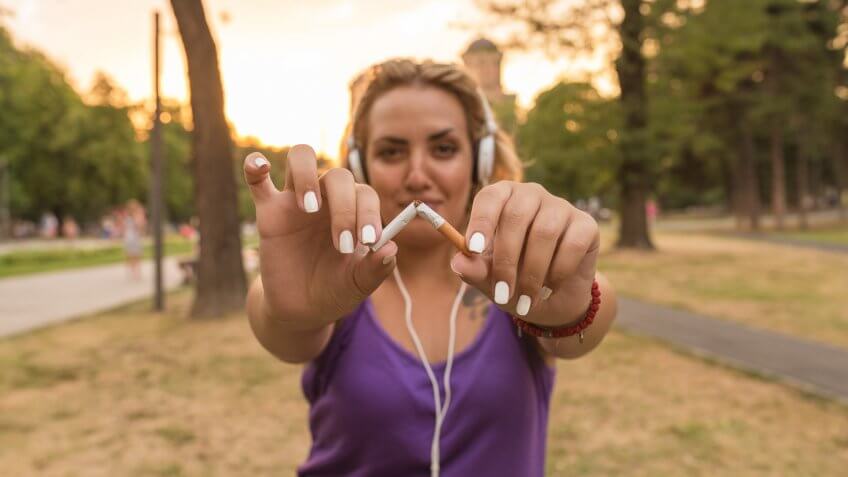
(446, 229)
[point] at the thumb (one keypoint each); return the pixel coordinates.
(370, 269)
(472, 270)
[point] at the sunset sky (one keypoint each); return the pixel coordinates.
(286, 64)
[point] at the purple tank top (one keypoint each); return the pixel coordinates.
(372, 412)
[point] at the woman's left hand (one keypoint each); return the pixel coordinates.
(528, 241)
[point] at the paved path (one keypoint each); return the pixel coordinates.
(33, 301)
(813, 366)
(793, 242)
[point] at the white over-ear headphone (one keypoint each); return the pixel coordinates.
(485, 149)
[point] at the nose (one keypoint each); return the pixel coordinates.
(418, 177)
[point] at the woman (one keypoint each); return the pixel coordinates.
(387, 395)
(133, 226)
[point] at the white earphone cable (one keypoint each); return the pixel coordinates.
(441, 410)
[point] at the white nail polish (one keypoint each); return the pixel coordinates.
(523, 305)
(346, 242)
(387, 260)
(310, 202)
(477, 242)
(546, 293)
(260, 161)
(369, 235)
(501, 293)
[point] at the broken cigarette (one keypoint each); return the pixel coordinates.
(446, 229)
(395, 226)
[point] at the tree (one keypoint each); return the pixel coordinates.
(569, 138)
(576, 29)
(221, 282)
(176, 142)
(56, 146)
(710, 71)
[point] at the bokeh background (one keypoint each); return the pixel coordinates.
(709, 138)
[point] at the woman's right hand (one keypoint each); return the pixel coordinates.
(313, 272)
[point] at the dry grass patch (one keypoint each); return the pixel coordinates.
(131, 393)
(787, 289)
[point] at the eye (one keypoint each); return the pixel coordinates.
(390, 153)
(445, 150)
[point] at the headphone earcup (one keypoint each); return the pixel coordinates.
(485, 159)
(355, 165)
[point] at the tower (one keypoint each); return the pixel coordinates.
(482, 59)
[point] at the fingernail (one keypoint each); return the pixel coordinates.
(369, 235)
(501, 293)
(453, 269)
(310, 202)
(346, 242)
(260, 162)
(546, 293)
(477, 242)
(523, 305)
(388, 259)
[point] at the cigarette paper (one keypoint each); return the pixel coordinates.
(395, 226)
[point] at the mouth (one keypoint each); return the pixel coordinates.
(432, 203)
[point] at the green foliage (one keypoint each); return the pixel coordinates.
(179, 178)
(569, 138)
(63, 155)
(719, 76)
(738, 68)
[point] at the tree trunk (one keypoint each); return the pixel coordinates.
(221, 283)
(732, 178)
(802, 177)
(633, 174)
(778, 174)
(750, 181)
(839, 168)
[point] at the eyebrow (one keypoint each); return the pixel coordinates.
(431, 137)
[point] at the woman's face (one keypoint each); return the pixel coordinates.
(418, 148)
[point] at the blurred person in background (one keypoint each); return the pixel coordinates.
(133, 223)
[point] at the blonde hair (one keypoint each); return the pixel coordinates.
(391, 74)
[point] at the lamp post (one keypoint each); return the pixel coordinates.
(155, 198)
(5, 200)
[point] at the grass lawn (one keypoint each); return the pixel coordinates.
(25, 262)
(833, 235)
(779, 287)
(131, 393)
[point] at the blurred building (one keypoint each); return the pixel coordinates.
(482, 59)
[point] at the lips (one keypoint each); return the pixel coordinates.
(430, 202)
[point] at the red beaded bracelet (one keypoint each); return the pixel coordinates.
(567, 330)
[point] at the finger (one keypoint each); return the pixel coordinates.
(474, 270)
(372, 268)
(485, 213)
(257, 174)
(302, 177)
(515, 219)
(542, 240)
(581, 237)
(368, 214)
(339, 187)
